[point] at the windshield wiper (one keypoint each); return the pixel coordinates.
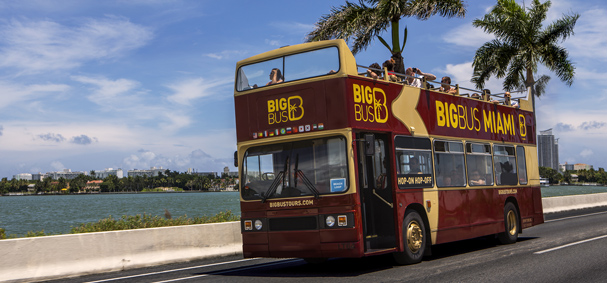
(300, 174)
(280, 178)
(308, 184)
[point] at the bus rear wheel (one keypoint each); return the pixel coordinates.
(510, 235)
(414, 239)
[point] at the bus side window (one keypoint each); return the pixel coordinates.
(449, 162)
(504, 160)
(521, 165)
(479, 164)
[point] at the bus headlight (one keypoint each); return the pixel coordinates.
(258, 224)
(330, 220)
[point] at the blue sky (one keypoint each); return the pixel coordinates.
(88, 85)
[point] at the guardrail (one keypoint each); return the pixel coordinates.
(29, 259)
(51, 257)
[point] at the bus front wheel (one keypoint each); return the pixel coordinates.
(414, 239)
(510, 235)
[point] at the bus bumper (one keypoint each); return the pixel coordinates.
(303, 244)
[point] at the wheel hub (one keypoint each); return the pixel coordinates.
(414, 236)
(512, 222)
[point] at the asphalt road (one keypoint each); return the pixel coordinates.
(569, 247)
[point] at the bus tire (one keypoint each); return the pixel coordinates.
(414, 239)
(511, 225)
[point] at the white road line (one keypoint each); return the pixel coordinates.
(569, 245)
(227, 271)
(565, 218)
(172, 270)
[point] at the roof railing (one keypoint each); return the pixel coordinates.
(485, 94)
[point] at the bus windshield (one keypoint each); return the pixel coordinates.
(288, 68)
(303, 168)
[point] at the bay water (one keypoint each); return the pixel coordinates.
(57, 214)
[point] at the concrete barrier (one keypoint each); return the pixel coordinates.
(39, 258)
(555, 204)
(27, 259)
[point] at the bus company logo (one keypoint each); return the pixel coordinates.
(369, 104)
(292, 203)
(285, 109)
(451, 115)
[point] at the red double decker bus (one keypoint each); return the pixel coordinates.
(336, 164)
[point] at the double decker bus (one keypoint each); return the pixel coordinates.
(333, 163)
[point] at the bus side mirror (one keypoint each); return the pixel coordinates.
(369, 145)
(235, 158)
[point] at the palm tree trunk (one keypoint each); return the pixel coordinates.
(399, 65)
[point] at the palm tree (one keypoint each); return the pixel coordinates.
(369, 18)
(521, 44)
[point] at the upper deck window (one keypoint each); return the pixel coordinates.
(292, 67)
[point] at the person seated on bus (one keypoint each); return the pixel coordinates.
(445, 181)
(414, 166)
(389, 65)
(507, 177)
(374, 73)
(275, 77)
(476, 96)
(414, 75)
(508, 100)
(456, 178)
(446, 85)
(475, 179)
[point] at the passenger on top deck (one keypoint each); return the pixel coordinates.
(389, 64)
(275, 77)
(508, 100)
(416, 82)
(446, 86)
(374, 73)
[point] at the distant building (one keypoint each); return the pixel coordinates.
(548, 150)
(226, 172)
(109, 171)
(23, 176)
(566, 167)
(38, 176)
(152, 172)
(93, 185)
(582, 166)
(66, 174)
(208, 174)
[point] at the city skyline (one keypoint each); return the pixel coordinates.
(136, 84)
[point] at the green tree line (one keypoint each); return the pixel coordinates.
(169, 179)
(583, 176)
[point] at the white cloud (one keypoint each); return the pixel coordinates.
(58, 166)
(467, 36)
(227, 54)
(586, 153)
(46, 45)
(15, 93)
(272, 42)
(589, 40)
(192, 89)
(109, 93)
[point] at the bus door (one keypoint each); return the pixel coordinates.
(376, 193)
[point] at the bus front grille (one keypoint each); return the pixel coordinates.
(293, 223)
